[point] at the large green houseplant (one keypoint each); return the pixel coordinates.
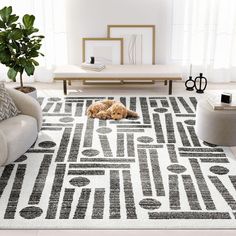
(19, 46)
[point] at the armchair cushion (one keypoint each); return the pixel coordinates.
(18, 134)
(8, 108)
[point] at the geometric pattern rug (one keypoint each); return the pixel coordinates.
(147, 173)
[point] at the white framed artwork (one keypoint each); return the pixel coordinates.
(139, 42)
(105, 50)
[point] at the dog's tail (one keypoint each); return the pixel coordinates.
(132, 113)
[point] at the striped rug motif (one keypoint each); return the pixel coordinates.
(151, 172)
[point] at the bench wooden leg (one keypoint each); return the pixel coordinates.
(69, 82)
(65, 87)
(165, 82)
(170, 87)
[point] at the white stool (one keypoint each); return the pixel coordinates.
(215, 126)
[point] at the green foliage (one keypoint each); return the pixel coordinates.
(19, 46)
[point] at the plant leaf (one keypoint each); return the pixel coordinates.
(28, 21)
(2, 25)
(2, 47)
(15, 34)
(29, 68)
(34, 62)
(5, 56)
(5, 13)
(12, 74)
(12, 19)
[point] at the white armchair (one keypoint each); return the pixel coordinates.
(17, 134)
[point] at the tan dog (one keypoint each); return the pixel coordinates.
(109, 109)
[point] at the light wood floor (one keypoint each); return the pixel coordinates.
(55, 89)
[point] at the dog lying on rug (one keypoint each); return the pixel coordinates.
(109, 109)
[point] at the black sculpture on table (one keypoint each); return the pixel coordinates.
(200, 83)
(189, 84)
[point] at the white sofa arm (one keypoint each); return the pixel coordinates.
(3, 149)
(27, 105)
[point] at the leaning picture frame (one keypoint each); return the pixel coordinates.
(105, 50)
(139, 42)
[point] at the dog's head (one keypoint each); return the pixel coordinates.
(118, 111)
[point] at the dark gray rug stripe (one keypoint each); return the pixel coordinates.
(47, 107)
(164, 103)
(114, 196)
(82, 206)
(191, 193)
(194, 102)
(6, 174)
(123, 100)
(223, 191)
(79, 109)
(174, 105)
(185, 105)
(15, 192)
(56, 191)
(183, 149)
(98, 205)
(57, 107)
(189, 215)
(61, 153)
(170, 128)
(86, 172)
(75, 145)
(202, 185)
(111, 160)
(214, 160)
(145, 110)
(88, 138)
(68, 107)
(183, 135)
(99, 165)
(129, 195)
(40, 180)
(66, 204)
(156, 172)
(144, 173)
(193, 136)
(132, 105)
(153, 103)
(130, 145)
(120, 145)
(174, 198)
(105, 146)
(199, 154)
(172, 153)
(158, 128)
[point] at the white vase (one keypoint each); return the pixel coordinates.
(32, 94)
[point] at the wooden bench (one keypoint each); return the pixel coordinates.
(124, 73)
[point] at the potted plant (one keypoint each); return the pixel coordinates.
(19, 46)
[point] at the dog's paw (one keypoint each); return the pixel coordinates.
(102, 115)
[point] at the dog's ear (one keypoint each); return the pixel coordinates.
(109, 111)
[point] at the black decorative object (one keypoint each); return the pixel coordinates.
(226, 97)
(189, 84)
(92, 60)
(200, 83)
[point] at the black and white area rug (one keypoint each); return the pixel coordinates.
(149, 173)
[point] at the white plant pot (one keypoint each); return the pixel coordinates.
(32, 94)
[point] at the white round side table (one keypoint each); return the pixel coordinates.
(215, 126)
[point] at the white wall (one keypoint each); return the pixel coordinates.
(89, 18)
